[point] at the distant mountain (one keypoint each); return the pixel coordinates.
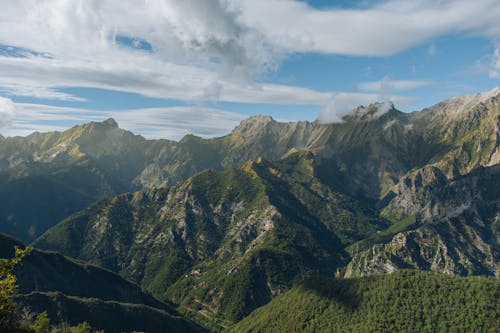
(47, 176)
(47, 280)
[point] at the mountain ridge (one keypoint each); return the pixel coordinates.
(222, 226)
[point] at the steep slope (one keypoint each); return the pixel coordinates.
(46, 177)
(33, 203)
(446, 210)
(401, 302)
(466, 128)
(226, 241)
(49, 271)
(456, 227)
(46, 279)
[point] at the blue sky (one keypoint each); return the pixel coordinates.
(166, 68)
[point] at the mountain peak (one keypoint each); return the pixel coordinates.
(476, 98)
(460, 105)
(110, 122)
(489, 94)
(253, 125)
(370, 112)
(258, 119)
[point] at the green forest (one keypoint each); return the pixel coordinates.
(406, 301)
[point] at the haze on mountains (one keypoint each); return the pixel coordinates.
(221, 227)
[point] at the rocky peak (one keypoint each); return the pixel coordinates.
(254, 125)
(370, 112)
(110, 122)
(457, 106)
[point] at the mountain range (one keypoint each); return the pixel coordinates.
(218, 228)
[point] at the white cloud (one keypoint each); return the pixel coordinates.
(175, 122)
(432, 50)
(7, 111)
(380, 30)
(387, 85)
(343, 103)
(37, 92)
(207, 50)
(494, 68)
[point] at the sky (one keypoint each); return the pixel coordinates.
(167, 68)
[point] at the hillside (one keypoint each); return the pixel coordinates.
(264, 225)
(73, 292)
(407, 301)
(110, 316)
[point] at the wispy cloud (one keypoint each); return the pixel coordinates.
(38, 92)
(6, 111)
(494, 65)
(432, 50)
(175, 122)
(153, 123)
(387, 85)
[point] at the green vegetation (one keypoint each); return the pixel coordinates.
(71, 293)
(109, 316)
(224, 242)
(407, 301)
(42, 325)
(398, 224)
(8, 308)
(10, 317)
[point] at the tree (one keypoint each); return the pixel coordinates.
(42, 323)
(81, 328)
(8, 308)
